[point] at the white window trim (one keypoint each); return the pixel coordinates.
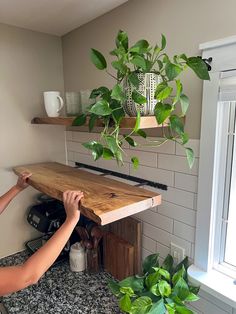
(207, 243)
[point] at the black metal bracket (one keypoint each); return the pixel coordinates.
(207, 62)
(140, 181)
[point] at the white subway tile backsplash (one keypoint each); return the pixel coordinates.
(184, 231)
(177, 212)
(70, 155)
(156, 220)
(162, 249)
(149, 145)
(176, 196)
(145, 158)
(112, 165)
(194, 144)
(83, 137)
(156, 234)
(182, 243)
(77, 147)
(156, 175)
(177, 163)
(186, 182)
(68, 135)
(85, 159)
(71, 164)
(148, 244)
(121, 180)
(145, 253)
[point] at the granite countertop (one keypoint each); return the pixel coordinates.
(62, 291)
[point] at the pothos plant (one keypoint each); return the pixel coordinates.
(159, 290)
(108, 102)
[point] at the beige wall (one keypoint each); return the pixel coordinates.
(30, 63)
(186, 24)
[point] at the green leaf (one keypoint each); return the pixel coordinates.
(141, 133)
(130, 141)
(135, 283)
(140, 47)
(192, 297)
(194, 289)
(184, 101)
(117, 110)
(122, 40)
(184, 57)
(119, 66)
(183, 310)
(181, 289)
(179, 274)
(164, 273)
(176, 124)
(199, 67)
(184, 262)
(184, 138)
(163, 42)
(101, 91)
(80, 120)
(162, 112)
(107, 153)
(125, 303)
(138, 98)
(150, 262)
(172, 70)
(137, 122)
(127, 290)
(190, 156)
(141, 305)
(92, 119)
(158, 308)
(98, 59)
(135, 162)
(179, 88)
(96, 148)
(140, 62)
(101, 108)
(114, 287)
(133, 79)
(112, 144)
(154, 290)
(117, 93)
(152, 279)
(160, 87)
(168, 263)
(165, 93)
(164, 288)
(170, 308)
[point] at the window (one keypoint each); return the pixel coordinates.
(226, 259)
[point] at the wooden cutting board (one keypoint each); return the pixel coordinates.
(118, 256)
(130, 230)
(105, 200)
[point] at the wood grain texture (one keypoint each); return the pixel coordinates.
(105, 200)
(126, 123)
(118, 256)
(130, 230)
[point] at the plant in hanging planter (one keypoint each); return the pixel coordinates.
(159, 290)
(146, 83)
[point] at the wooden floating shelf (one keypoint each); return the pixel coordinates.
(105, 200)
(126, 123)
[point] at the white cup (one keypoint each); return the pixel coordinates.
(53, 103)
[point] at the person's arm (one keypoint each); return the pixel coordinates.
(16, 278)
(20, 185)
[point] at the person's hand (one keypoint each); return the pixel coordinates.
(71, 200)
(22, 180)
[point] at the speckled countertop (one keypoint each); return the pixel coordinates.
(62, 291)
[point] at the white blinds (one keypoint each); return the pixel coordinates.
(227, 88)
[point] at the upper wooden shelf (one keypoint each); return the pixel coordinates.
(126, 123)
(105, 200)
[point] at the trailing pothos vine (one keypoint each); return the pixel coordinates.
(108, 103)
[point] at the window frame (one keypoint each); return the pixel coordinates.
(209, 204)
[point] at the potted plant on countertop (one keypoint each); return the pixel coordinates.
(146, 83)
(159, 290)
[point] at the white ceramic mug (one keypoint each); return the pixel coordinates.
(53, 103)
